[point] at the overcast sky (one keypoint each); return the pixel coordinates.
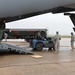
(52, 22)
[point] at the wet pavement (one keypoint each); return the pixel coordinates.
(61, 63)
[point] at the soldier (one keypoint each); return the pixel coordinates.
(57, 39)
(1, 35)
(6, 35)
(39, 36)
(72, 40)
(2, 27)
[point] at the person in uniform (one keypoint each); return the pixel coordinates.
(72, 40)
(1, 35)
(6, 35)
(39, 36)
(2, 27)
(56, 40)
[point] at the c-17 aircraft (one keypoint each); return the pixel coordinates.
(12, 10)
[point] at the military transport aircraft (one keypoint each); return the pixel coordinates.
(12, 10)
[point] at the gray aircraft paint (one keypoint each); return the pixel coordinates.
(10, 8)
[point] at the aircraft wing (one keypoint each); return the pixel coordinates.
(12, 10)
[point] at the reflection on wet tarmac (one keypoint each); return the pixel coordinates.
(49, 57)
(63, 54)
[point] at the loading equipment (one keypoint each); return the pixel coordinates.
(12, 48)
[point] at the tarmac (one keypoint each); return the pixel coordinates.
(61, 63)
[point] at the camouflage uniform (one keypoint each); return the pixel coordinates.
(57, 39)
(6, 35)
(1, 34)
(72, 40)
(39, 36)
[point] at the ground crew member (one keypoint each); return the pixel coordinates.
(1, 35)
(39, 36)
(56, 40)
(6, 35)
(72, 40)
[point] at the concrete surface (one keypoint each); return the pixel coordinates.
(62, 63)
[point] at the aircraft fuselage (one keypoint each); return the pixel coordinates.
(11, 8)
